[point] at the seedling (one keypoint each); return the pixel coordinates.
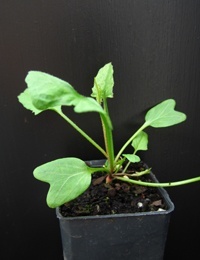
(70, 177)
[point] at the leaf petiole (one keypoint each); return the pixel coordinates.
(160, 184)
(59, 111)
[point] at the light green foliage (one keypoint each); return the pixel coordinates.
(47, 92)
(132, 157)
(140, 141)
(103, 83)
(25, 99)
(164, 115)
(70, 177)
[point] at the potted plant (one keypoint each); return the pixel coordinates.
(109, 208)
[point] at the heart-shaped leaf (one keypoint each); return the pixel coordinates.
(163, 115)
(68, 178)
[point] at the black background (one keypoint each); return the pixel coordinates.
(155, 50)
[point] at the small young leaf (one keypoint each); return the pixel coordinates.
(163, 115)
(132, 157)
(68, 178)
(103, 83)
(140, 141)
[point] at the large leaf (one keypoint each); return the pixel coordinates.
(140, 141)
(25, 99)
(68, 178)
(47, 92)
(103, 83)
(163, 115)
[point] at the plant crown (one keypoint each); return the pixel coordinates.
(70, 177)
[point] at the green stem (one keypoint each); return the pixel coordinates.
(127, 165)
(165, 184)
(107, 129)
(109, 144)
(108, 136)
(130, 140)
(100, 169)
(59, 111)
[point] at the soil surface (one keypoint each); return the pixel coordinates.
(114, 198)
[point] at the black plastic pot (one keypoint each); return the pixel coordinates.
(138, 236)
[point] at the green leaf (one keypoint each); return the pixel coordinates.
(68, 178)
(87, 104)
(132, 157)
(25, 99)
(163, 115)
(140, 141)
(48, 92)
(103, 83)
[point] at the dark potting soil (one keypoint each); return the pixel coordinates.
(115, 198)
